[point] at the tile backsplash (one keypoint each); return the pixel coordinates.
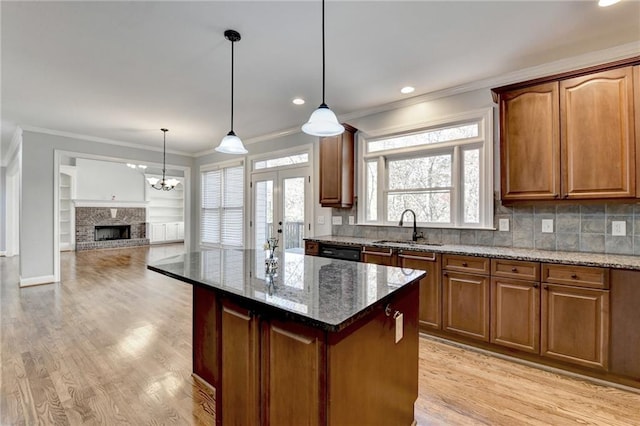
(580, 228)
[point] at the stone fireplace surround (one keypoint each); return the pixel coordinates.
(88, 217)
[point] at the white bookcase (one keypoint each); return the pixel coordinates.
(67, 192)
(165, 213)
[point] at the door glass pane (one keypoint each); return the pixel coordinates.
(263, 221)
(293, 212)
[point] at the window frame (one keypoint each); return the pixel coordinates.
(483, 142)
(215, 167)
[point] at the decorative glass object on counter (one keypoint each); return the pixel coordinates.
(271, 261)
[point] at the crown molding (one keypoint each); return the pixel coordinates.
(13, 146)
(102, 140)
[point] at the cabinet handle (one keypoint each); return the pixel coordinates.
(546, 287)
(536, 285)
(465, 264)
(445, 274)
(514, 269)
(555, 195)
(408, 256)
(378, 253)
(574, 276)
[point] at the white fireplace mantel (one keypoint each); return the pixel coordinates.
(110, 203)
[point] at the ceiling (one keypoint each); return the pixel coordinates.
(122, 70)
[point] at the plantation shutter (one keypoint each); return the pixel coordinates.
(222, 213)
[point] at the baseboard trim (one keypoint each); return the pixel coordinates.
(45, 279)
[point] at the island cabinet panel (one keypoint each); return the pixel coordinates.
(598, 135)
(465, 305)
(240, 377)
(575, 325)
(515, 314)
(530, 143)
(372, 379)
(430, 315)
(625, 324)
(337, 169)
(206, 335)
(293, 365)
(311, 248)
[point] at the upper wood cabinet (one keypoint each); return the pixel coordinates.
(572, 136)
(530, 143)
(337, 169)
(598, 138)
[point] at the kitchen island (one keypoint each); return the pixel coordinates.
(318, 342)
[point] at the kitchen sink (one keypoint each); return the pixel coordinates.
(408, 242)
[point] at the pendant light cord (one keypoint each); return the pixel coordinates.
(232, 43)
(323, 71)
(164, 154)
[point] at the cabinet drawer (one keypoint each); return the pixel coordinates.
(517, 269)
(472, 264)
(579, 276)
(311, 248)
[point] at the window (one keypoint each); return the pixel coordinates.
(287, 160)
(222, 212)
(443, 173)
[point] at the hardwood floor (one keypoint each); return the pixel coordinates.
(111, 344)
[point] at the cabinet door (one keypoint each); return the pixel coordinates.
(379, 256)
(575, 325)
(515, 314)
(240, 366)
(598, 137)
(530, 143)
(430, 313)
(336, 170)
(465, 305)
(180, 231)
(157, 232)
(293, 373)
(171, 231)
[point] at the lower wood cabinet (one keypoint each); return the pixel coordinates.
(430, 315)
(465, 305)
(575, 325)
(379, 256)
(515, 314)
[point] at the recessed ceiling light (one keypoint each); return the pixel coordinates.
(407, 89)
(298, 101)
(605, 3)
(132, 166)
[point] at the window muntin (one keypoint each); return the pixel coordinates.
(442, 173)
(222, 211)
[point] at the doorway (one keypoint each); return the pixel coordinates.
(281, 203)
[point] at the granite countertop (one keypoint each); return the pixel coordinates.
(327, 293)
(616, 261)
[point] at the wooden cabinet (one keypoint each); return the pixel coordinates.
(311, 248)
(337, 169)
(598, 136)
(465, 298)
(571, 136)
(379, 256)
(575, 318)
(430, 314)
(530, 143)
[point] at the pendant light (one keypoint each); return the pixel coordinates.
(323, 122)
(231, 144)
(164, 184)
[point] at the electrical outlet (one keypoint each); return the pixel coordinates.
(619, 228)
(547, 226)
(503, 225)
(320, 220)
(352, 220)
(336, 220)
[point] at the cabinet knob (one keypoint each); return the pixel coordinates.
(514, 269)
(574, 276)
(546, 287)
(556, 195)
(464, 264)
(445, 274)
(536, 286)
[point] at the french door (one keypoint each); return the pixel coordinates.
(281, 208)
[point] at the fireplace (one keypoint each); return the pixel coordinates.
(112, 232)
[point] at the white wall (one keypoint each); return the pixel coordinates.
(103, 180)
(37, 225)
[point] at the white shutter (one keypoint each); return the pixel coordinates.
(222, 213)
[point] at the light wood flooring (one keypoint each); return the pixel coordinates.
(111, 344)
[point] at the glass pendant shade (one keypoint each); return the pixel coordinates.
(323, 122)
(231, 144)
(153, 180)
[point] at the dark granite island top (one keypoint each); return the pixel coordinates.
(320, 342)
(326, 293)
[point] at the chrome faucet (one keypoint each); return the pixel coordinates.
(414, 237)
